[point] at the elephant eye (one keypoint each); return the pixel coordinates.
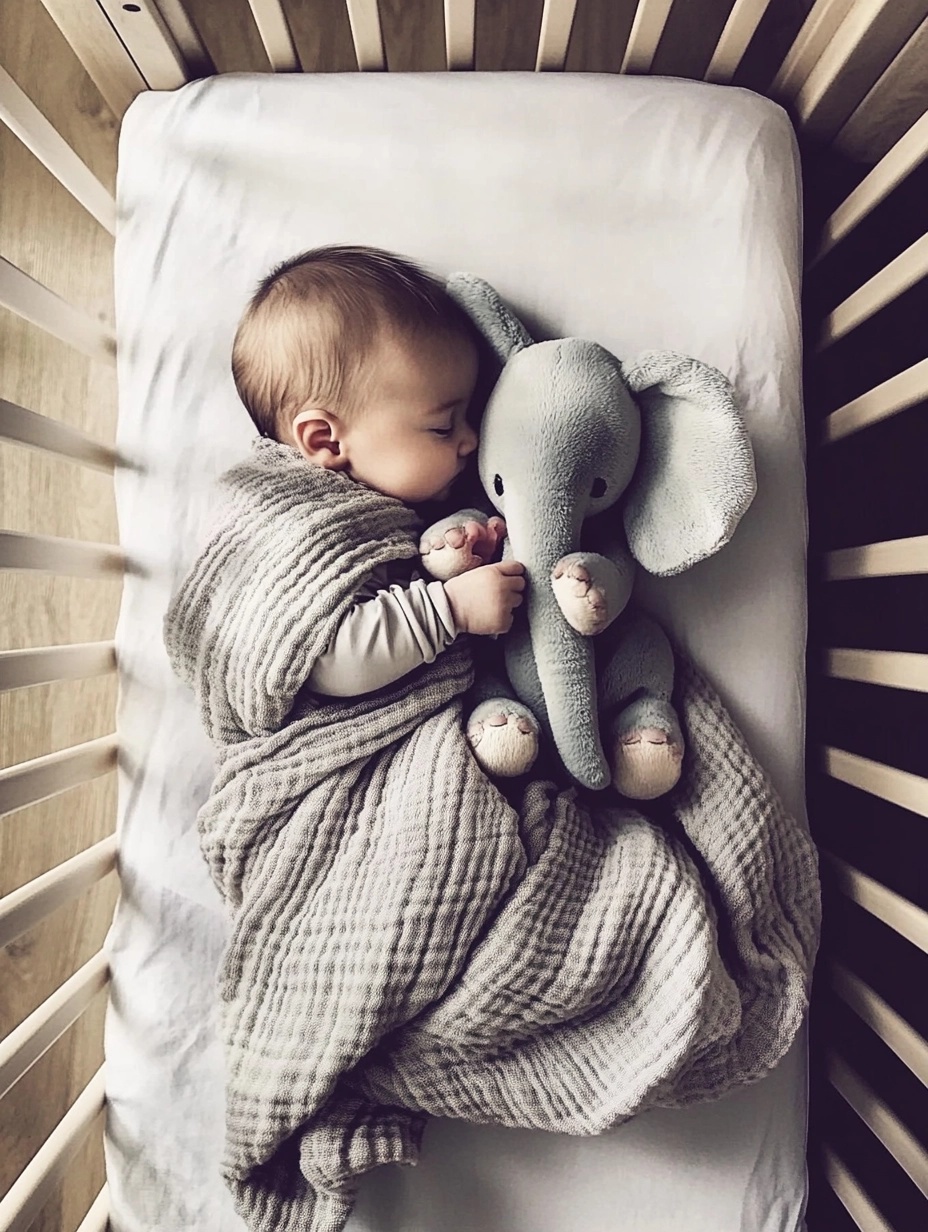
(599, 488)
(497, 485)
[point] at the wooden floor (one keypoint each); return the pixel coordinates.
(47, 234)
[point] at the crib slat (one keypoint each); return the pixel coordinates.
(895, 911)
(904, 1147)
(36, 1183)
(740, 27)
(891, 170)
(908, 791)
(96, 44)
(21, 116)
(21, 669)
(460, 21)
(364, 19)
(36, 303)
(849, 1192)
(24, 908)
(45, 1025)
(274, 30)
(828, 96)
(896, 394)
(882, 1019)
(645, 35)
(97, 1217)
(891, 105)
(896, 556)
(823, 20)
(185, 36)
(28, 782)
(892, 668)
(25, 427)
(892, 280)
(557, 19)
(69, 556)
(149, 42)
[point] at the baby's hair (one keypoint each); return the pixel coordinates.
(310, 327)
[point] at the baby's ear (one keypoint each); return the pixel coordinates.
(316, 435)
(497, 324)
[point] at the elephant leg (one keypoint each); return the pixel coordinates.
(591, 590)
(503, 733)
(643, 740)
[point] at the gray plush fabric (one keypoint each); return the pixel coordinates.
(695, 477)
(406, 941)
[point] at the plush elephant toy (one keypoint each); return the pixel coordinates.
(569, 432)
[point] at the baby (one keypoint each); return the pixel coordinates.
(362, 361)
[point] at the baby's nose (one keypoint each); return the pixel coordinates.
(468, 440)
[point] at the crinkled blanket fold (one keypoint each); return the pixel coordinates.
(403, 940)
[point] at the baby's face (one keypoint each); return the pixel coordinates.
(411, 439)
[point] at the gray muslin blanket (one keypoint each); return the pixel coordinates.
(405, 940)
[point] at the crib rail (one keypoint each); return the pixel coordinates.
(23, 669)
(34, 1036)
(33, 1188)
(849, 73)
(861, 332)
(28, 298)
(893, 668)
(906, 389)
(837, 54)
(48, 800)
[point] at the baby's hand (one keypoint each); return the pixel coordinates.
(483, 601)
(460, 543)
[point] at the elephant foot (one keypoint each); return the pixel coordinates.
(503, 736)
(460, 543)
(647, 751)
(583, 602)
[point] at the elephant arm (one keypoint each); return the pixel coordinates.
(460, 542)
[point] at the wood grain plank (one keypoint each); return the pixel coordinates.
(867, 40)
(507, 35)
(895, 102)
(34, 130)
(412, 34)
(95, 43)
(145, 35)
(50, 235)
(460, 34)
(599, 36)
(322, 35)
(737, 33)
(275, 34)
(647, 28)
(230, 36)
(909, 151)
(816, 31)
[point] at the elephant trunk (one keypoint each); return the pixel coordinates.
(546, 655)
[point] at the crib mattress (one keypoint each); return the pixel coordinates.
(639, 212)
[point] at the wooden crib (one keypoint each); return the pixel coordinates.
(853, 75)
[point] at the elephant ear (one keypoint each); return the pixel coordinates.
(695, 476)
(503, 331)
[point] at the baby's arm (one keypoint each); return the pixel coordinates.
(400, 628)
(383, 638)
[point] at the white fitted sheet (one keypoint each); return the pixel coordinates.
(640, 212)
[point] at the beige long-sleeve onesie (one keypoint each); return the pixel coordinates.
(394, 626)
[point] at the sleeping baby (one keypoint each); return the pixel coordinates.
(362, 361)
